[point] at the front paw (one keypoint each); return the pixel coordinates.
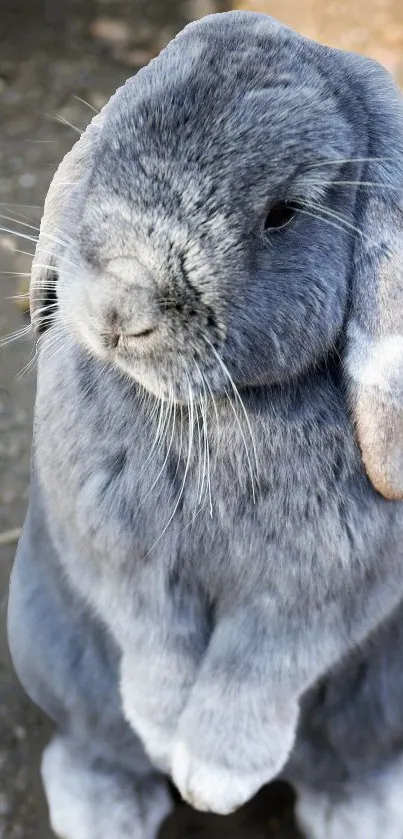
(152, 710)
(210, 787)
(220, 768)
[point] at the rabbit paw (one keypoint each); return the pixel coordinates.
(240, 762)
(153, 699)
(212, 788)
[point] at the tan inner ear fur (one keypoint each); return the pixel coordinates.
(381, 446)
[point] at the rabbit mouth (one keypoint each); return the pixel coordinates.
(189, 367)
(174, 379)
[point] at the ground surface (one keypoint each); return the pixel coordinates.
(50, 52)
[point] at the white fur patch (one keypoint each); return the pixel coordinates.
(157, 741)
(212, 788)
(87, 803)
(371, 811)
(375, 363)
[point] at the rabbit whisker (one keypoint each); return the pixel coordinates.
(10, 209)
(63, 260)
(353, 183)
(29, 366)
(337, 216)
(57, 352)
(199, 480)
(53, 339)
(26, 253)
(16, 273)
(45, 287)
(205, 446)
(54, 239)
(344, 224)
(162, 406)
(84, 101)
(171, 414)
(238, 398)
(207, 384)
(17, 221)
(45, 308)
(322, 218)
(188, 459)
(206, 387)
(49, 280)
(64, 121)
(338, 161)
(15, 336)
(50, 336)
(191, 414)
(45, 320)
(180, 441)
(94, 381)
(57, 330)
(206, 438)
(154, 402)
(21, 235)
(48, 320)
(26, 206)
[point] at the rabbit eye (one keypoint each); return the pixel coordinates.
(280, 215)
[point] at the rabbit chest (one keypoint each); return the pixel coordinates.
(227, 500)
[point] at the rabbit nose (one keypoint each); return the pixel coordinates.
(111, 340)
(120, 327)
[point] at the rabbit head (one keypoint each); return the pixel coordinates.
(235, 212)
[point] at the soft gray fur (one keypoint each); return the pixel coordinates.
(200, 517)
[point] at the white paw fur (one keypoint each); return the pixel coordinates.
(373, 810)
(157, 741)
(88, 803)
(212, 788)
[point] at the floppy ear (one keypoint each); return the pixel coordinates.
(73, 169)
(374, 351)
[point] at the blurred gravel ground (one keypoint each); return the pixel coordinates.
(51, 52)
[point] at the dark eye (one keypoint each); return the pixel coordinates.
(280, 215)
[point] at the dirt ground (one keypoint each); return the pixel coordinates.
(52, 51)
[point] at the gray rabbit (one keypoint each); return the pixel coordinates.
(209, 583)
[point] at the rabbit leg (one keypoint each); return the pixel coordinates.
(239, 725)
(90, 799)
(235, 733)
(167, 638)
(372, 809)
(98, 780)
(347, 764)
